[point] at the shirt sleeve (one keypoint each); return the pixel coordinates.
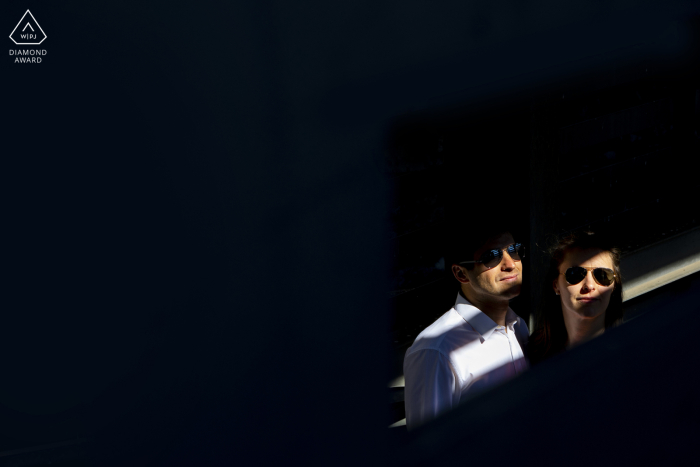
(431, 385)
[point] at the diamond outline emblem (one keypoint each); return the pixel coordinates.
(35, 22)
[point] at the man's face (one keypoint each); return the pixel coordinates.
(503, 281)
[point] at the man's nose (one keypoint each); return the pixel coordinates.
(507, 262)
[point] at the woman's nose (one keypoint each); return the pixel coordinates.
(589, 282)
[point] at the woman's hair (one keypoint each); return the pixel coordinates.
(550, 334)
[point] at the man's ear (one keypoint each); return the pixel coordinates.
(555, 286)
(460, 274)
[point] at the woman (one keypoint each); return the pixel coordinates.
(582, 295)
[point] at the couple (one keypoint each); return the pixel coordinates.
(481, 342)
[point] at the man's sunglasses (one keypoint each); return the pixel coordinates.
(492, 258)
(602, 276)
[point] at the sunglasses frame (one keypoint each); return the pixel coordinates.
(590, 269)
(501, 250)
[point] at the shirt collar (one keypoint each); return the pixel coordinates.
(478, 319)
(511, 318)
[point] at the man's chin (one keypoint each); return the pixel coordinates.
(512, 291)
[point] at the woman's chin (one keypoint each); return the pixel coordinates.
(590, 310)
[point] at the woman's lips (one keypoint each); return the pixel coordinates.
(586, 299)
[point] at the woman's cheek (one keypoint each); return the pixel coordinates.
(607, 296)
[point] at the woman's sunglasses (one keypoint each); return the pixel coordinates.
(493, 258)
(602, 276)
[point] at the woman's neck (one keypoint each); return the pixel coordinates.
(580, 329)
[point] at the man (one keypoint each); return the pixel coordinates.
(476, 344)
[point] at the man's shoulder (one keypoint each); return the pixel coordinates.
(449, 332)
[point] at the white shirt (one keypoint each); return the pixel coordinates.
(464, 351)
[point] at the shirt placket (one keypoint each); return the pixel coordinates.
(502, 330)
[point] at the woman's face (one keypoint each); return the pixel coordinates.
(587, 299)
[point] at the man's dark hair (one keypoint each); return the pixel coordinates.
(464, 237)
(477, 210)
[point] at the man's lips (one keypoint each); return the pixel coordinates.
(586, 299)
(509, 278)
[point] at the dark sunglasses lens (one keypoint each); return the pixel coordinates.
(574, 275)
(516, 251)
(491, 258)
(603, 276)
